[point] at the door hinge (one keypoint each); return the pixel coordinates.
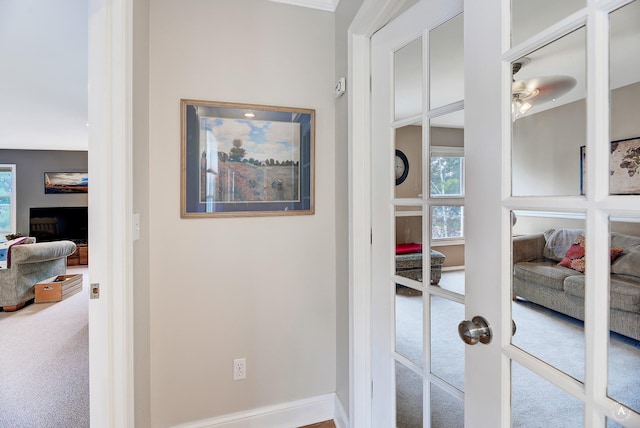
(94, 293)
(371, 236)
(371, 389)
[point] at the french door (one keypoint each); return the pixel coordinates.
(528, 96)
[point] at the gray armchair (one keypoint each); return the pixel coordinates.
(31, 263)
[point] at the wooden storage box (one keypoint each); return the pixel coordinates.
(57, 288)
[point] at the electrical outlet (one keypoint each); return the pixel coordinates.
(239, 369)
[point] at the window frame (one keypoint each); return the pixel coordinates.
(12, 200)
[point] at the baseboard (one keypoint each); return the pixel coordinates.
(340, 416)
(292, 414)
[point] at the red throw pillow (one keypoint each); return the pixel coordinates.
(615, 252)
(574, 259)
(410, 247)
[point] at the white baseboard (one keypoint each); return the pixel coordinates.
(286, 415)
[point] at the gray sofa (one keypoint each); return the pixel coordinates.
(538, 278)
(31, 263)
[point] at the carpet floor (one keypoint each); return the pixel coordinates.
(557, 339)
(44, 363)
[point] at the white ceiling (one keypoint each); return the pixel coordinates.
(43, 98)
(43, 46)
(329, 5)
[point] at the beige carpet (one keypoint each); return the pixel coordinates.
(44, 363)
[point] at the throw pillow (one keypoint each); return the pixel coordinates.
(408, 248)
(5, 253)
(574, 259)
(614, 252)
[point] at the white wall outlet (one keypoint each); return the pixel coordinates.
(239, 368)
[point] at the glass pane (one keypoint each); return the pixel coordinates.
(624, 313)
(625, 96)
(409, 324)
(6, 182)
(446, 411)
(408, 398)
(529, 17)
(5, 218)
(447, 350)
(447, 175)
(446, 63)
(409, 244)
(538, 404)
(549, 118)
(446, 221)
(548, 289)
(408, 162)
(408, 80)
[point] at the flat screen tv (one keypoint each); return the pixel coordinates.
(58, 223)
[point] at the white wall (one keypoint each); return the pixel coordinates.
(222, 288)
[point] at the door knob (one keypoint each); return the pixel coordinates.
(474, 331)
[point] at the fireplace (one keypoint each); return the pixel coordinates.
(58, 223)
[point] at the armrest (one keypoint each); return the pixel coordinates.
(527, 248)
(41, 252)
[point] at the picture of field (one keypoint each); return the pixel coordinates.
(246, 160)
(249, 161)
(66, 182)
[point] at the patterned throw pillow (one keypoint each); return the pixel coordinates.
(574, 259)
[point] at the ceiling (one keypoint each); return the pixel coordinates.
(44, 47)
(43, 100)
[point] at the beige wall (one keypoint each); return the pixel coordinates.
(141, 273)
(344, 14)
(263, 288)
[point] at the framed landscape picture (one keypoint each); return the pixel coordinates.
(246, 160)
(66, 182)
(624, 167)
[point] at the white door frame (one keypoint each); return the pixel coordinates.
(372, 15)
(110, 202)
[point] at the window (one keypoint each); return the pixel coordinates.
(7, 200)
(447, 181)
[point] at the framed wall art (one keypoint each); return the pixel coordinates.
(246, 160)
(66, 182)
(624, 167)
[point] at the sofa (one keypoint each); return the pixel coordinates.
(546, 272)
(26, 263)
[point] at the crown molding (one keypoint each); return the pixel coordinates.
(328, 5)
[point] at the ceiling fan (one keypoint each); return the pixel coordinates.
(538, 90)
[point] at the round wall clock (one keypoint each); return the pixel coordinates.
(402, 167)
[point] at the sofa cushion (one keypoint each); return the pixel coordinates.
(625, 292)
(547, 274)
(559, 242)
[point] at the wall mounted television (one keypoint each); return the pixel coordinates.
(59, 223)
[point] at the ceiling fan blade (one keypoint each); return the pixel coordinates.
(544, 89)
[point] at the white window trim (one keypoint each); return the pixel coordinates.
(449, 151)
(12, 203)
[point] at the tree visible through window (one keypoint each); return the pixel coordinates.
(7, 200)
(447, 181)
